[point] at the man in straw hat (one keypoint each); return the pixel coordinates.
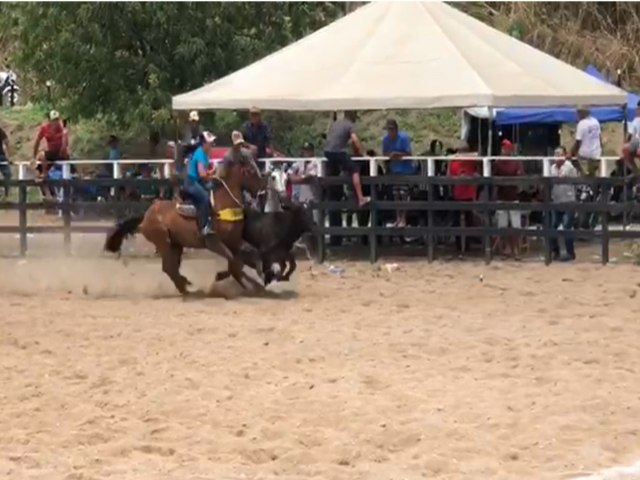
(257, 134)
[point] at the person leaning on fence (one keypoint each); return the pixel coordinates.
(303, 174)
(560, 194)
(463, 166)
(257, 134)
(633, 129)
(342, 134)
(53, 132)
(397, 145)
(509, 194)
(588, 142)
(5, 164)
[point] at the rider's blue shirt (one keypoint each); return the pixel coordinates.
(198, 157)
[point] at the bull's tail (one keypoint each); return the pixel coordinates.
(122, 230)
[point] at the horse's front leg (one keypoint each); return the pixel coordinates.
(291, 258)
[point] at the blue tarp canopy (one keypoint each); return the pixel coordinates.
(510, 116)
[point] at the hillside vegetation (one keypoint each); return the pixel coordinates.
(114, 66)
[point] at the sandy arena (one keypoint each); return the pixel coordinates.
(424, 372)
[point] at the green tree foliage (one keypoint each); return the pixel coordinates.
(124, 61)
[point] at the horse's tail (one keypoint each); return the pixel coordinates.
(122, 230)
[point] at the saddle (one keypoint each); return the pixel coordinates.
(185, 206)
(187, 209)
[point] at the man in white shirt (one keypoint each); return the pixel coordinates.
(588, 144)
(563, 193)
(633, 129)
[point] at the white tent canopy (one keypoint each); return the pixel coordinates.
(403, 55)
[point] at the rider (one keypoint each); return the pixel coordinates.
(196, 181)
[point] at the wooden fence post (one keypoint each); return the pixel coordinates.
(430, 223)
(546, 224)
(66, 215)
(604, 218)
(22, 218)
(321, 252)
(373, 218)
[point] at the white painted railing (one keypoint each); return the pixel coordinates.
(270, 162)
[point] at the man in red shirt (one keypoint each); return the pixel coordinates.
(463, 166)
(508, 193)
(55, 135)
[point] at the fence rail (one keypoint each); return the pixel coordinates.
(373, 230)
(429, 161)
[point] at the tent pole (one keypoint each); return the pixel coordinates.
(490, 133)
(479, 136)
(624, 107)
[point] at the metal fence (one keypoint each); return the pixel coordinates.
(373, 230)
(427, 163)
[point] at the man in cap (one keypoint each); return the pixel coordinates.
(257, 134)
(396, 144)
(196, 183)
(53, 132)
(463, 165)
(588, 143)
(239, 151)
(510, 167)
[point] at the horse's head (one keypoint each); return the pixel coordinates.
(240, 169)
(277, 180)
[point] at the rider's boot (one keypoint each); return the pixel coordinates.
(207, 230)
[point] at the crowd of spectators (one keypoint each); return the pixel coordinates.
(341, 143)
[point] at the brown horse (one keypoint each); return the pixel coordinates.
(171, 225)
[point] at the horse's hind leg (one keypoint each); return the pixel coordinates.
(171, 259)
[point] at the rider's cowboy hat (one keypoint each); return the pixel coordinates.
(54, 115)
(193, 116)
(208, 137)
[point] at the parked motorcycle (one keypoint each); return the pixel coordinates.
(9, 88)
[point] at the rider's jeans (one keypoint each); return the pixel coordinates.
(200, 197)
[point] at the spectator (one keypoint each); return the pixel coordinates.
(588, 142)
(257, 134)
(622, 170)
(563, 193)
(341, 134)
(5, 165)
(634, 127)
(397, 145)
(463, 166)
(509, 194)
(302, 176)
(53, 132)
